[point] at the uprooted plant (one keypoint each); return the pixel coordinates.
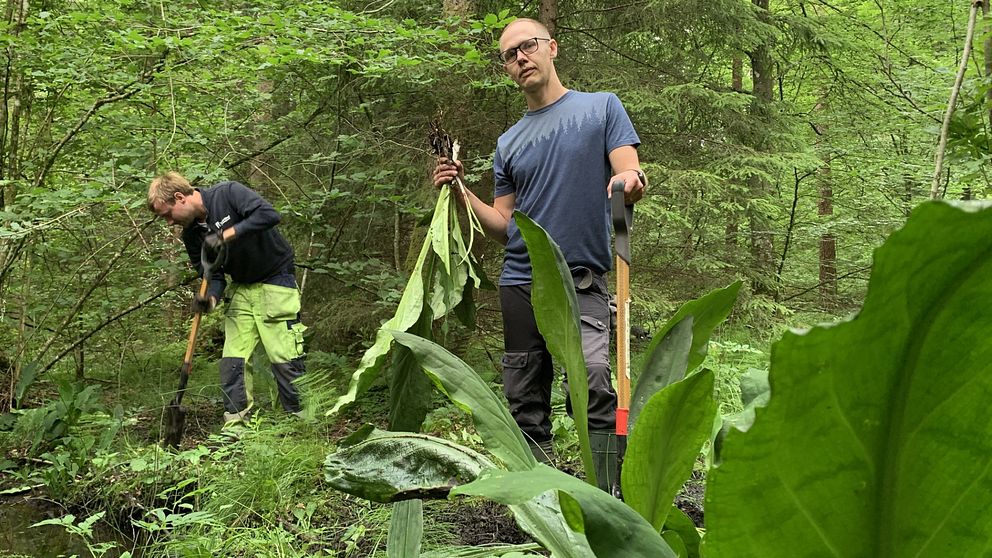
(441, 282)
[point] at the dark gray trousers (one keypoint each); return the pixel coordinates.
(527, 368)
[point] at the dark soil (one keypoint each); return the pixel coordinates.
(484, 522)
(202, 418)
(690, 498)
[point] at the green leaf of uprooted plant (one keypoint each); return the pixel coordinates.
(395, 466)
(611, 527)
(876, 441)
(445, 270)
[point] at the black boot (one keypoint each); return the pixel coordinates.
(543, 451)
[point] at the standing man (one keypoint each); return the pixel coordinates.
(263, 300)
(556, 165)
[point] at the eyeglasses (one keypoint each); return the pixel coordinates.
(529, 46)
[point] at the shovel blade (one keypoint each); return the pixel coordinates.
(175, 424)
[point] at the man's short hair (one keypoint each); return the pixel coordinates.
(165, 187)
(539, 25)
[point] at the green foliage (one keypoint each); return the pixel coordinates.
(52, 425)
(67, 434)
(320, 106)
(814, 489)
(406, 529)
(541, 518)
(84, 529)
(872, 443)
(677, 420)
(675, 424)
(445, 270)
(467, 391)
(612, 528)
(391, 467)
(501, 551)
(556, 311)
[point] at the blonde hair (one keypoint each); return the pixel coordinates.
(165, 187)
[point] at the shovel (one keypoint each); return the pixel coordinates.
(623, 217)
(175, 415)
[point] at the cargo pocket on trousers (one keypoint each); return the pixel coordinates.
(297, 329)
(514, 369)
(281, 303)
(595, 341)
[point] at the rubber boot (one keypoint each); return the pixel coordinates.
(543, 451)
(604, 458)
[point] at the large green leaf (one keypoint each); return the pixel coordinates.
(667, 364)
(446, 266)
(557, 313)
(409, 389)
(466, 389)
(493, 551)
(662, 451)
(680, 523)
(755, 393)
(393, 466)
(540, 517)
(612, 528)
(406, 529)
(877, 440)
(407, 313)
(707, 313)
(440, 240)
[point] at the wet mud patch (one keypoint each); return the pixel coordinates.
(18, 537)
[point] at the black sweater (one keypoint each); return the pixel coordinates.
(258, 251)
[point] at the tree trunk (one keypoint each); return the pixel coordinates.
(11, 102)
(825, 211)
(764, 279)
(732, 228)
(459, 8)
(548, 15)
(988, 61)
(79, 357)
(397, 238)
(828, 243)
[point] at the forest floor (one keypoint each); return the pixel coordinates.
(261, 493)
(281, 489)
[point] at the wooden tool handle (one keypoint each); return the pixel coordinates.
(188, 359)
(623, 333)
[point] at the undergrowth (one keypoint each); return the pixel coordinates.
(262, 493)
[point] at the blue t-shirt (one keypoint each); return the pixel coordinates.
(556, 161)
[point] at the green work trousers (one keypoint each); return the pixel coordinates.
(270, 314)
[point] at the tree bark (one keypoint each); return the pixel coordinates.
(459, 8)
(987, 45)
(548, 15)
(764, 280)
(15, 14)
(732, 227)
(825, 211)
(828, 243)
